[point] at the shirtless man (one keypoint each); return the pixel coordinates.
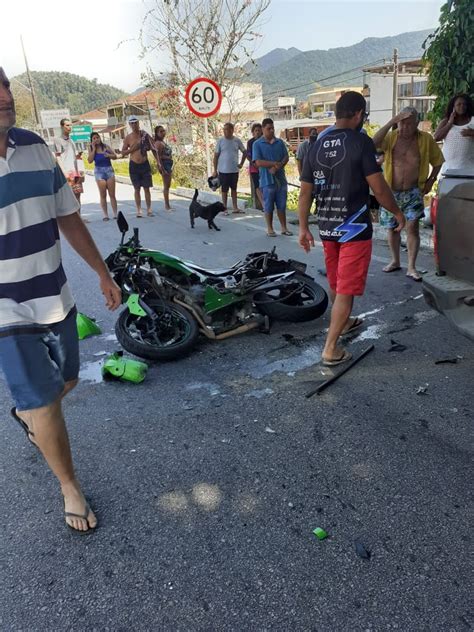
(408, 154)
(137, 144)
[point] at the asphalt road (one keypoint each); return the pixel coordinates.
(209, 478)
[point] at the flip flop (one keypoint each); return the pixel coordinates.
(272, 235)
(288, 233)
(105, 219)
(139, 216)
(239, 212)
(395, 269)
(358, 322)
(344, 358)
(84, 516)
(414, 277)
(150, 215)
(23, 426)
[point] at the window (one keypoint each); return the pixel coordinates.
(419, 88)
(404, 90)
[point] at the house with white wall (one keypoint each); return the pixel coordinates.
(412, 91)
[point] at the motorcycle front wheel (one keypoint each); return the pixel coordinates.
(169, 337)
(295, 303)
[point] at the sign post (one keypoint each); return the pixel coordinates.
(81, 133)
(204, 98)
(51, 118)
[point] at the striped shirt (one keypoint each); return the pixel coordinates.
(33, 193)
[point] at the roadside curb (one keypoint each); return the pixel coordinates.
(184, 192)
(380, 233)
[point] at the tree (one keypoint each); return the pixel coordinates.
(213, 38)
(449, 55)
(24, 106)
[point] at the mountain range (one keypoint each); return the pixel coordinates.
(66, 90)
(282, 69)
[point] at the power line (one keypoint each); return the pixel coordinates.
(330, 85)
(344, 72)
(387, 61)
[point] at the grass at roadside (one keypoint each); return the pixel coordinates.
(121, 169)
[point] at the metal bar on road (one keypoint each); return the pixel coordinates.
(348, 366)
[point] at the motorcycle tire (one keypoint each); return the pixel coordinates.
(179, 334)
(310, 303)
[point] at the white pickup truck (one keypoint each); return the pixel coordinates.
(450, 289)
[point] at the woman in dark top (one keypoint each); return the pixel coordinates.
(101, 155)
(253, 170)
(166, 158)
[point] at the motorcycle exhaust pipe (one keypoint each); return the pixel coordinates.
(211, 334)
(205, 330)
(240, 330)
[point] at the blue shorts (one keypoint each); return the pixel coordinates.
(167, 165)
(103, 173)
(38, 360)
(274, 196)
(410, 203)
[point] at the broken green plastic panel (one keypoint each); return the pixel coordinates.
(320, 533)
(117, 367)
(86, 326)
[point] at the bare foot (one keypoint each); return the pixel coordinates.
(339, 356)
(75, 508)
(392, 267)
(414, 274)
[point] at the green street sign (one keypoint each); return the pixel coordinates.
(81, 133)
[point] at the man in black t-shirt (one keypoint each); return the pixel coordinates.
(341, 167)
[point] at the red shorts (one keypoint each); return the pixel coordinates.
(347, 265)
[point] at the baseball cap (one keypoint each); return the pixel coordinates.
(133, 119)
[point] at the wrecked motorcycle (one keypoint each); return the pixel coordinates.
(169, 301)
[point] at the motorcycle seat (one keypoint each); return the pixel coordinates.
(215, 273)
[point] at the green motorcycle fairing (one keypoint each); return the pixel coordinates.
(134, 305)
(165, 259)
(213, 299)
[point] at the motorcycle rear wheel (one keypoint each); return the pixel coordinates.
(308, 303)
(172, 337)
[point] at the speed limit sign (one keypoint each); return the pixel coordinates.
(203, 97)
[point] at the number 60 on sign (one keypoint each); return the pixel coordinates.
(203, 97)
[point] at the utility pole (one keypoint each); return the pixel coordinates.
(33, 96)
(395, 82)
(149, 116)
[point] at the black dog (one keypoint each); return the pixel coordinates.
(206, 212)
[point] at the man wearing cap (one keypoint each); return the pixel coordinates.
(137, 144)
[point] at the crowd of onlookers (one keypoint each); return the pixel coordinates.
(412, 161)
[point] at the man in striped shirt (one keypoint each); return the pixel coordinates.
(39, 351)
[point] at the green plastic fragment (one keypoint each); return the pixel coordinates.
(117, 367)
(320, 533)
(86, 326)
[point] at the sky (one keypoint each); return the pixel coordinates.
(85, 37)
